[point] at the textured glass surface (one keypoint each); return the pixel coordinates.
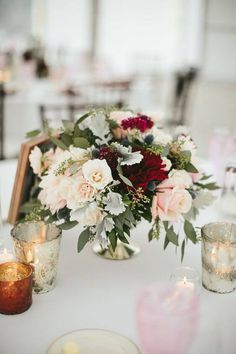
(219, 257)
(15, 287)
(38, 244)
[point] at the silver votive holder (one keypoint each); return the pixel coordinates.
(219, 257)
(38, 244)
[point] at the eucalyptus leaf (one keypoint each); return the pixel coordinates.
(113, 239)
(166, 242)
(58, 143)
(33, 133)
(66, 139)
(126, 180)
(190, 168)
(190, 231)
(172, 236)
(83, 239)
(68, 225)
(182, 250)
(81, 142)
(68, 126)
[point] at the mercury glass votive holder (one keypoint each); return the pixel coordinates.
(15, 287)
(187, 277)
(38, 244)
(219, 257)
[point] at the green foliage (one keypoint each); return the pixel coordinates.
(83, 239)
(154, 233)
(182, 250)
(58, 143)
(33, 133)
(81, 142)
(190, 231)
(113, 239)
(66, 139)
(210, 186)
(172, 236)
(68, 225)
(189, 167)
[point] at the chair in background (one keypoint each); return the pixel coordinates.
(54, 114)
(182, 90)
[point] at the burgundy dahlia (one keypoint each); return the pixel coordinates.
(111, 156)
(150, 169)
(140, 122)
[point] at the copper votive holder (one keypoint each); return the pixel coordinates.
(16, 281)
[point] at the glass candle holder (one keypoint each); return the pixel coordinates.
(187, 277)
(167, 317)
(38, 244)
(219, 257)
(15, 287)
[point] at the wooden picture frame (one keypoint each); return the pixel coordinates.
(23, 179)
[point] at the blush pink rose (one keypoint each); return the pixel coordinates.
(170, 202)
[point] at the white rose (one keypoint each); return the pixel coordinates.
(35, 159)
(89, 215)
(80, 192)
(181, 177)
(167, 162)
(160, 138)
(187, 144)
(118, 116)
(97, 173)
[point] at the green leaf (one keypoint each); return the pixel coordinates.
(166, 242)
(190, 231)
(81, 119)
(172, 236)
(165, 223)
(29, 206)
(125, 180)
(68, 126)
(33, 133)
(123, 239)
(204, 177)
(83, 239)
(190, 168)
(113, 239)
(68, 225)
(58, 143)
(118, 223)
(210, 186)
(182, 250)
(81, 142)
(66, 139)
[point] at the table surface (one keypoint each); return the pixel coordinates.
(95, 293)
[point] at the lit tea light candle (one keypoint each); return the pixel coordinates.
(15, 287)
(6, 256)
(187, 278)
(185, 284)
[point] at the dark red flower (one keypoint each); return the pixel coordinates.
(141, 122)
(151, 168)
(111, 156)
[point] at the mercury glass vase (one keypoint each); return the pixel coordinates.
(38, 244)
(219, 257)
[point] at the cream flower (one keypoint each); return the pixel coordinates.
(35, 159)
(89, 215)
(180, 177)
(53, 192)
(187, 144)
(97, 173)
(160, 138)
(80, 193)
(170, 203)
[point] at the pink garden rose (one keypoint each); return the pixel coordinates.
(171, 201)
(80, 192)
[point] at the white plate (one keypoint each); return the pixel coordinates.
(95, 341)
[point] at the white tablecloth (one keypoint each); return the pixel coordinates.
(96, 293)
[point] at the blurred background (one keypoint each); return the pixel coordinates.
(174, 59)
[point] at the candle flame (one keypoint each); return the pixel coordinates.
(5, 251)
(185, 280)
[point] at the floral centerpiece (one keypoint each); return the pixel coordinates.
(112, 169)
